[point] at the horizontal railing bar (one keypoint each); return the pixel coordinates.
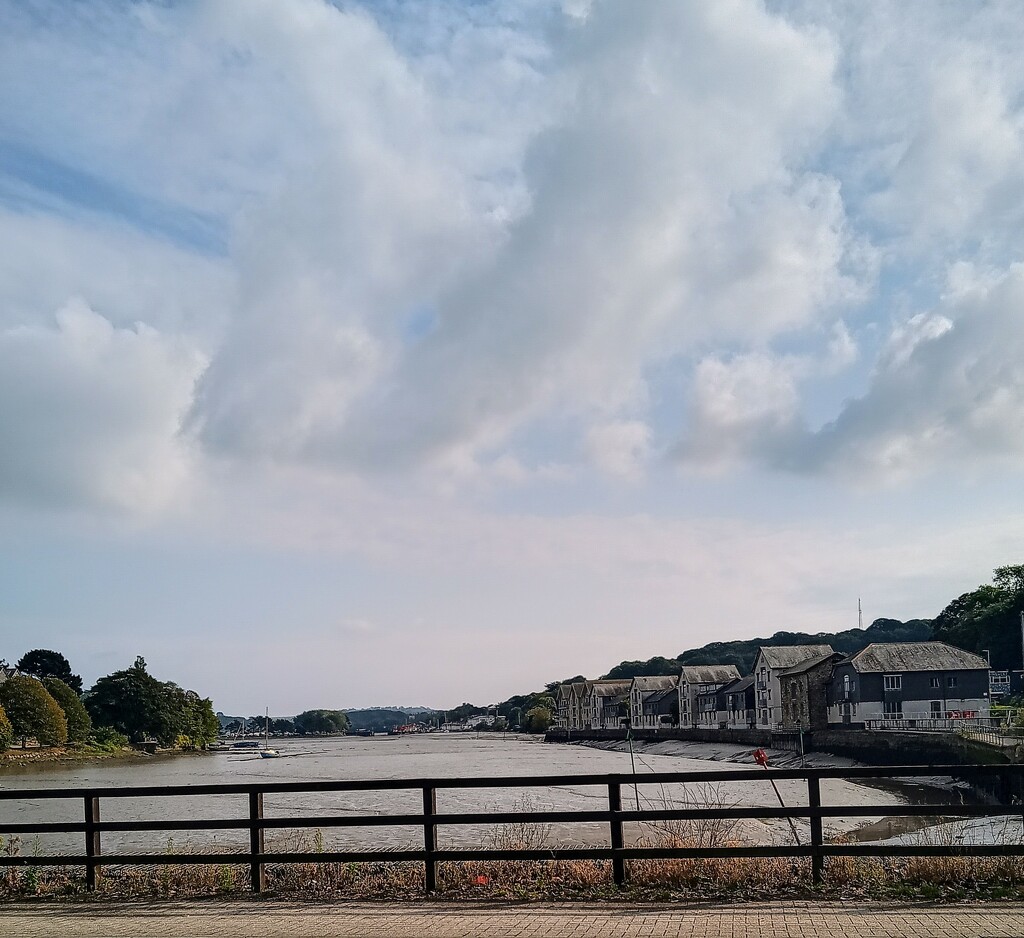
(923, 850)
(539, 781)
(72, 827)
(207, 859)
(520, 817)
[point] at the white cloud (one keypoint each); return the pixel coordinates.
(947, 388)
(746, 404)
(92, 413)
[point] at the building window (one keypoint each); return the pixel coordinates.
(951, 681)
(893, 708)
(936, 682)
(792, 690)
(893, 681)
(936, 708)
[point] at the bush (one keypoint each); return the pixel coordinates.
(108, 739)
(33, 712)
(79, 724)
(6, 733)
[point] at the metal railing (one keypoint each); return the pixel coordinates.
(430, 819)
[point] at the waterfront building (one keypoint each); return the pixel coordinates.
(770, 663)
(640, 690)
(698, 679)
(804, 689)
(908, 684)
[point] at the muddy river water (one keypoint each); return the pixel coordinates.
(434, 756)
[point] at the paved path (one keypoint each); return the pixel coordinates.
(263, 919)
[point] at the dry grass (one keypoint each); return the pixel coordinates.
(743, 878)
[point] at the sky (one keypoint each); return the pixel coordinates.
(383, 352)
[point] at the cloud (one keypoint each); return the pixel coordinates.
(92, 413)
(947, 388)
(620, 448)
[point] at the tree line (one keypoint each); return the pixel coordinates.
(307, 723)
(46, 702)
(986, 621)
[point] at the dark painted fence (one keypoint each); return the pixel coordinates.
(615, 816)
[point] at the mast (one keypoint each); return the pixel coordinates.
(860, 615)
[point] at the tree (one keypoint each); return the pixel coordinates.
(135, 703)
(45, 663)
(321, 722)
(6, 732)
(538, 719)
(988, 618)
(32, 712)
(79, 724)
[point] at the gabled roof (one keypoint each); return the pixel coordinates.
(709, 673)
(655, 682)
(610, 688)
(809, 663)
(739, 686)
(661, 695)
(786, 656)
(915, 656)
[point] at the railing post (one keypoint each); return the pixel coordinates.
(615, 806)
(257, 871)
(817, 858)
(430, 837)
(92, 841)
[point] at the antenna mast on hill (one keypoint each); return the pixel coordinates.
(860, 615)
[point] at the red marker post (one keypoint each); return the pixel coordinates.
(761, 758)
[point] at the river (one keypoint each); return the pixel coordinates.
(435, 756)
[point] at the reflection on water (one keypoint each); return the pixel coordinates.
(433, 756)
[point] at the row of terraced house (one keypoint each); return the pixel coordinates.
(795, 687)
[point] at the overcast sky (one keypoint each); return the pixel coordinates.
(420, 352)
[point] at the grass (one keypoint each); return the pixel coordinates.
(941, 878)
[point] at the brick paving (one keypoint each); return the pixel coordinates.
(272, 919)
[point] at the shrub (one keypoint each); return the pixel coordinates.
(108, 739)
(79, 724)
(6, 733)
(33, 712)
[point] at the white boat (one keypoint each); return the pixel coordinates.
(266, 752)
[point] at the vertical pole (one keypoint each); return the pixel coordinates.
(257, 871)
(92, 841)
(615, 806)
(430, 836)
(817, 859)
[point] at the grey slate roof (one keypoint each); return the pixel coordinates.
(656, 682)
(610, 688)
(709, 673)
(661, 695)
(809, 663)
(739, 686)
(786, 656)
(915, 656)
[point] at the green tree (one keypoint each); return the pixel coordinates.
(79, 724)
(32, 712)
(200, 725)
(321, 722)
(538, 720)
(135, 703)
(45, 663)
(6, 732)
(988, 618)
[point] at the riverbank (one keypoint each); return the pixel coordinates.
(73, 756)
